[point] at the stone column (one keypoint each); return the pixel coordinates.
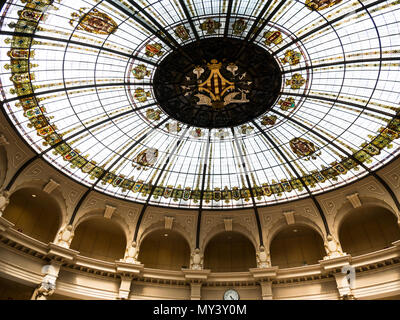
(264, 277)
(48, 285)
(266, 290)
(196, 279)
(343, 286)
(344, 274)
(127, 271)
(125, 287)
(195, 290)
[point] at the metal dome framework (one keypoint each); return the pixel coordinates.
(77, 85)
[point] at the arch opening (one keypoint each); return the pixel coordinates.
(164, 249)
(229, 252)
(368, 229)
(296, 245)
(34, 213)
(99, 238)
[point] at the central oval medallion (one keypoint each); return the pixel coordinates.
(217, 83)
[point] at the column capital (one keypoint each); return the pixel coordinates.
(196, 275)
(332, 264)
(128, 269)
(125, 287)
(264, 274)
(58, 253)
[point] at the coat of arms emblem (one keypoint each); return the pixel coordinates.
(182, 32)
(304, 148)
(141, 95)
(321, 4)
(210, 25)
(287, 104)
(219, 86)
(145, 158)
(292, 57)
(245, 129)
(152, 114)
(296, 82)
(173, 127)
(140, 71)
(269, 120)
(154, 49)
(196, 133)
(273, 37)
(239, 26)
(95, 21)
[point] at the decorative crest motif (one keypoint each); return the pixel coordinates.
(216, 90)
(321, 4)
(304, 148)
(140, 71)
(222, 134)
(287, 104)
(145, 158)
(182, 32)
(141, 95)
(173, 127)
(292, 57)
(272, 37)
(239, 26)
(210, 25)
(269, 120)
(245, 129)
(196, 133)
(154, 49)
(95, 21)
(296, 82)
(152, 114)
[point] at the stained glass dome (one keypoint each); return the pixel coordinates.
(211, 104)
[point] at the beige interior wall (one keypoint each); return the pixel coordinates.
(100, 238)
(38, 217)
(170, 252)
(368, 229)
(3, 165)
(296, 246)
(11, 290)
(229, 252)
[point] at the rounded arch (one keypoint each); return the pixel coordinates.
(99, 213)
(160, 225)
(296, 245)
(347, 208)
(34, 213)
(39, 184)
(99, 238)
(220, 228)
(164, 249)
(282, 224)
(367, 229)
(229, 251)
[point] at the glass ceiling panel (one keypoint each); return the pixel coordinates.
(78, 83)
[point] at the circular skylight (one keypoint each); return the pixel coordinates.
(210, 104)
